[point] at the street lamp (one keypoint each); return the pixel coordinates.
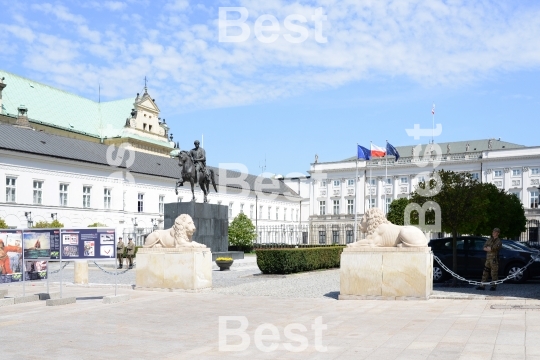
(154, 223)
(54, 216)
(28, 215)
(134, 221)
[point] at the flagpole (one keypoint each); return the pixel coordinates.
(433, 123)
(385, 174)
(356, 196)
(370, 147)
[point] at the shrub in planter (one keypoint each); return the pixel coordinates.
(288, 261)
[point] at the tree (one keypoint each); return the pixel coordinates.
(3, 224)
(462, 202)
(396, 213)
(55, 224)
(242, 233)
(97, 224)
(505, 211)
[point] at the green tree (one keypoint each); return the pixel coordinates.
(396, 212)
(48, 225)
(3, 224)
(242, 233)
(505, 211)
(97, 224)
(462, 202)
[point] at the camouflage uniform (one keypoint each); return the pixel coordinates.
(130, 247)
(492, 260)
(120, 252)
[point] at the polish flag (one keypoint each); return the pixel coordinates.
(377, 151)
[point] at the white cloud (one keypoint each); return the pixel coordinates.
(177, 5)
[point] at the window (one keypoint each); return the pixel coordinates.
(140, 202)
(10, 189)
(388, 202)
(241, 208)
(323, 183)
(388, 181)
(350, 182)
(350, 206)
(149, 127)
(277, 213)
(335, 236)
(63, 194)
(373, 203)
(269, 213)
(297, 216)
(106, 198)
(516, 194)
(535, 171)
(260, 212)
(404, 180)
(144, 126)
(86, 196)
(251, 211)
(372, 182)
(516, 172)
(38, 186)
(161, 204)
(322, 236)
(349, 236)
(322, 207)
(284, 214)
(534, 199)
(498, 173)
(421, 179)
(475, 176)
(337, 183)
(336, 207)
(230, 209)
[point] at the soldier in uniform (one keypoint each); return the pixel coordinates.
(120, 251)
(130, 247)
(491, 247)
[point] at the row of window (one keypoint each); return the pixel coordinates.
(349, 236)
(63, 193)
(294, 214)
(336, 209)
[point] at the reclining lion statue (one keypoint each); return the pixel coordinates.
(176, 237)
(382, 233)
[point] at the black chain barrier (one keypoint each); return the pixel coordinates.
(114, 273)
(471, 282)
(62, 268)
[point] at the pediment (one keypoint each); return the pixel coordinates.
(148, 105)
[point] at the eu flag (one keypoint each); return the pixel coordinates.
(363, 153)
(390, 150)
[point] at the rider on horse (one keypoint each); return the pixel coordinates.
(199, 159)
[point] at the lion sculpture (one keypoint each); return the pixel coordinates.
(176, 237)
(382, 233)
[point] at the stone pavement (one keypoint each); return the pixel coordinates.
(182, 325)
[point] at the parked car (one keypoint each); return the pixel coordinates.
(471, 258)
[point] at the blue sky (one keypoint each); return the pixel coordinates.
(383, 65)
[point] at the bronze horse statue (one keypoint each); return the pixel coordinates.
(189, 173)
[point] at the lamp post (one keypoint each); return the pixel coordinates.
(134, 221)
(29, 220)
(54, 216)
(154, 223)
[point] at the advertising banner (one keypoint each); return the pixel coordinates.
(91, 243)
(12, 243)
(11, 264)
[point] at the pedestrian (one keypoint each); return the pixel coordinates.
(491, 247)
(130, 247)
(120, 251)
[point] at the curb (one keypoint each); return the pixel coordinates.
(115, 299)
(62, 301)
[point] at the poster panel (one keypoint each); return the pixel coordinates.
(90, 243)
(11, 265)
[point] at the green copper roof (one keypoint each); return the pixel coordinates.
(62, 109)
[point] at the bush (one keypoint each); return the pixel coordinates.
(3, 224)
(55, 224)
(288, 261)
(242, 233)
(96, 224)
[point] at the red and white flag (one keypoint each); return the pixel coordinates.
(377, 151)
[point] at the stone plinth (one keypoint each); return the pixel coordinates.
(386, 273)
(211, 221)
(174, 268)
(81, 272)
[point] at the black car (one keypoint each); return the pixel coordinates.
(471, 258)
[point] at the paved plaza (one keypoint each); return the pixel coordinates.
(185, 325)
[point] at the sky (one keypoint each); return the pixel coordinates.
(340, 72)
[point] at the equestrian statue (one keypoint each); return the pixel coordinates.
(193, 166)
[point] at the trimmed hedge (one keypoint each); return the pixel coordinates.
(288, 261)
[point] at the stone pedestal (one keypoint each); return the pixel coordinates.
(386, 273)
(81, 272)
(211, 221)
(174, 268)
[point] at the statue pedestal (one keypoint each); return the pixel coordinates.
(386, 273)
(174, 268)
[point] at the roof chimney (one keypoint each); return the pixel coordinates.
(22, 118)
(2, 86)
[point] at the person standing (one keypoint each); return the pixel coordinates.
(120, 251)
(130, 253)
(491, 247)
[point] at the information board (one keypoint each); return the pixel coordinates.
(91, 243)
(12, 267)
